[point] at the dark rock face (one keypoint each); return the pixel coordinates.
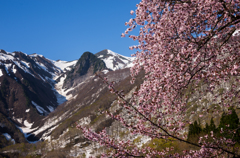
(86, 66)
(86, 61)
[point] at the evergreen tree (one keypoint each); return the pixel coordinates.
(212, 126)
(207, 128)
(230, 122)
(194, 129)
(190, 130)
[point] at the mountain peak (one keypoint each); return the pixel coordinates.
(86, 66)
(106, 52)
(114, 61)
(88, 59)
(3, 51)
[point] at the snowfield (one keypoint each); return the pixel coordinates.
(111, 60)
(64, 65)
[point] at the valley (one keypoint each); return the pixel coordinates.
(42, 100)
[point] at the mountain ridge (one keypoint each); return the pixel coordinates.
(41, 89)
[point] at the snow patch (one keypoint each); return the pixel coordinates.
(64, 65)
(27, 131)
(19, 120)
(27, 124)
(61, 98)
(51, 109)
(41, 77)
(39, 108)
(130, 65)
(7, 66)
(42, 66)
(5, 57)
(1, 73)
(35, 55)
(25, 68)
(8, 137)
(25, 63)
(14, 70)
(50, 124)
(105, 71)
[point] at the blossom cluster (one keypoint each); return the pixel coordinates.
(182, 44)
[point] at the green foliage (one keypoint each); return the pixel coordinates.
(4, 142)
(228, 127)
(230, 122)
(194, 129)
(162, 144)
(211, 127)
(229, 119)
(206, 129)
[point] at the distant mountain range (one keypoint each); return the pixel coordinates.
(38, 94)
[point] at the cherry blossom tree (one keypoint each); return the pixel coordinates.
(188, 50)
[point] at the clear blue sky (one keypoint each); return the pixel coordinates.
(64, 29)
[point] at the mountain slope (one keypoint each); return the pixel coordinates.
(32, 86)
(27, 92)
(92, 96)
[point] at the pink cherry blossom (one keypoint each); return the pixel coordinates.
(131, 12)
(184, 46)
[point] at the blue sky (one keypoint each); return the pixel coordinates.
(64, 29)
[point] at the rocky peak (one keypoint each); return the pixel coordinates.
(87, 65)
(86, 61)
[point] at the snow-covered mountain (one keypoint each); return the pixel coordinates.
(34, 73)
(113, 61)
(32, 87)
(67, 87)
(27, 93)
